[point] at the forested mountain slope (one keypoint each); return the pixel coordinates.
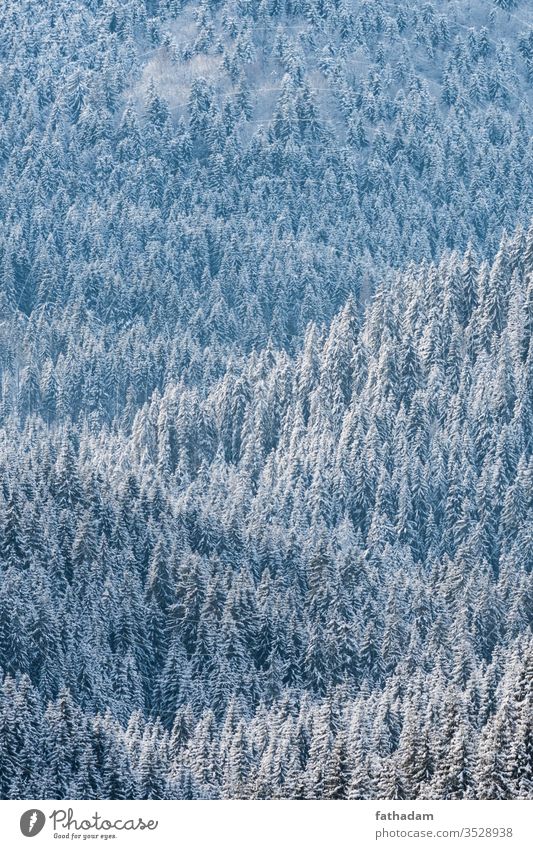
(178, 179)
(266, 399)
(313, 582)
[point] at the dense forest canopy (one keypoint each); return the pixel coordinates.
(266, 399)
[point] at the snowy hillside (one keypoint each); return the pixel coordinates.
(266, 399)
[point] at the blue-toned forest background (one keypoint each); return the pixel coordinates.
(266, 399)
